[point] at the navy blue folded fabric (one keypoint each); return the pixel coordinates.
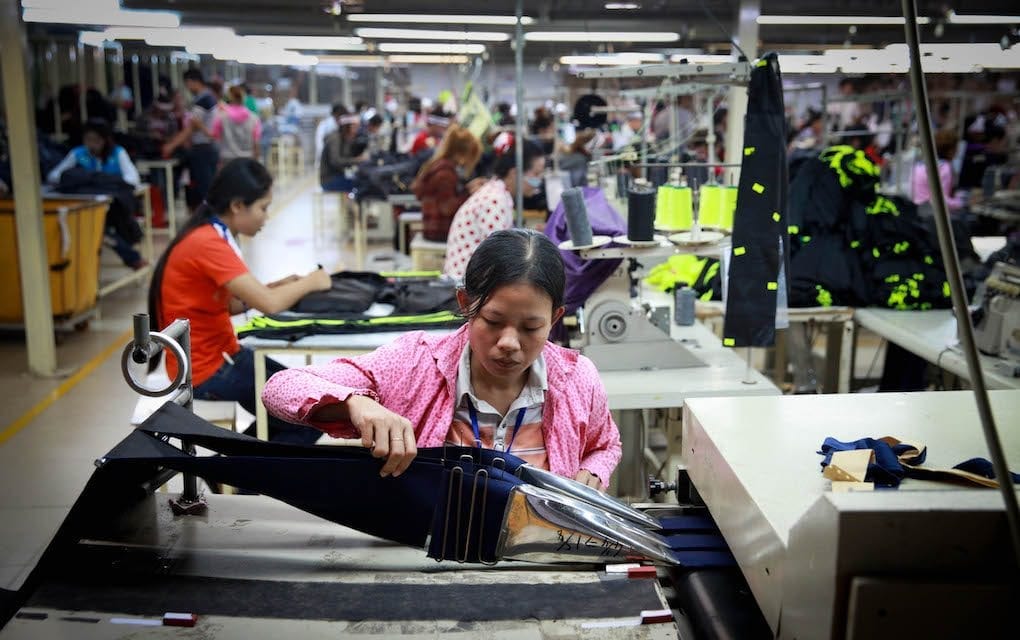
(680, 524)
(895, 461)
(982, 467)
(886, 470)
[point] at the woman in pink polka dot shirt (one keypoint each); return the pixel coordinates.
(491, 208)
(497, 382)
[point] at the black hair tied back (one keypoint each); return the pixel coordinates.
(513, 256)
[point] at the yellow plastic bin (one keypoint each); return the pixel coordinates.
(74, 236)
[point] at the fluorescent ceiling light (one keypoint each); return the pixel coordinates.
(591, 36)
(430, 47)
(701, 58)
(324, 43)
(624, 59)
(352, 61)
(411, 59)
(404, 18)
(433, 34)
(187, 36)
(74, 14)
(618, 6)
(837, 20)
(956, 18)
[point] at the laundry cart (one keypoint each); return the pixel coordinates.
(73, 228)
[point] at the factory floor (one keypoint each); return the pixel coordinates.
(52, 429)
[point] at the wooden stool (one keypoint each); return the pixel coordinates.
(320, 215)
(408, 222)
(427, 255)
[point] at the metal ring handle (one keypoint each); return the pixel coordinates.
(183, 366)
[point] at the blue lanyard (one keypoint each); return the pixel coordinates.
(221, 227)
(478, 434)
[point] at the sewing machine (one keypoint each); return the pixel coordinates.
(617, 332)
(997, 326)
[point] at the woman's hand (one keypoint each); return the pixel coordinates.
(389, 435)
(320, 280)
(476, 184)
(588, 478)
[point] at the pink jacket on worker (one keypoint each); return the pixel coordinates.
(416, 376)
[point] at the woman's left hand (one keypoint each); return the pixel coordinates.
(588, 478)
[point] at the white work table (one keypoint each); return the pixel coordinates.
(754, 462)
(932, 336)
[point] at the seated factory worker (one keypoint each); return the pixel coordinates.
(491, 207)
(497, 381)
(203, 278)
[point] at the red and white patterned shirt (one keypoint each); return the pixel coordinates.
(489, 209)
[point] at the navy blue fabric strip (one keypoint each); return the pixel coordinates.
(679, 524)
(704, 559)
(695, 541)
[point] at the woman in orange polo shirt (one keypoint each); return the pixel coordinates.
(202, 277)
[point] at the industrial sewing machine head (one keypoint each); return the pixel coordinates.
(618, 333)
(997, 321)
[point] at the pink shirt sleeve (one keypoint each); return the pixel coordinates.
(294, 394)
(217, 125)
(601, 446)
(257, 130)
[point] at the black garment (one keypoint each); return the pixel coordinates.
(388, 173)
(353, 292)
(760, 243)
(120, 217)
(202, 162)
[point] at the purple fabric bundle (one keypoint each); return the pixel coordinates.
(585, 276)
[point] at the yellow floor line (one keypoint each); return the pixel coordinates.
(64, 387)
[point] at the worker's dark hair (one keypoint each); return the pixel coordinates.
(512, 256)
(241, 179)
(101, 127)
(375, 121)
(194, 74)
(508, 159)
(338, 109)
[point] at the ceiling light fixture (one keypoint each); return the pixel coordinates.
(607, 36)
(622, 6)
(431, 47)
(428, 59)
(406, 18)
(955, 18)
(323, 43)
(95, 12)
(432, 34)
(836, 20)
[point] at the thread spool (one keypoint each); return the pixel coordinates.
(674, 209)
(717, 206)
(576, 212)
(641, 213)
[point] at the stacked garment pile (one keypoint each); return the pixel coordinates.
(852, 246)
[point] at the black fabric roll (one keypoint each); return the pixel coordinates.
(641, 213)
(578, 224)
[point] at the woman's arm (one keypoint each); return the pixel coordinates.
(127, 169)
(279, 298)
(69, 161)
(601, 447)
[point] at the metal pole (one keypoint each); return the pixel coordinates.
(79, 56)
(53, 71)
(953, 275)
(136, 86)
(154, 72)
(519, 120)
(736, 102)
(28, 211)
(99, 66)
(380, 90)
(313, 86)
